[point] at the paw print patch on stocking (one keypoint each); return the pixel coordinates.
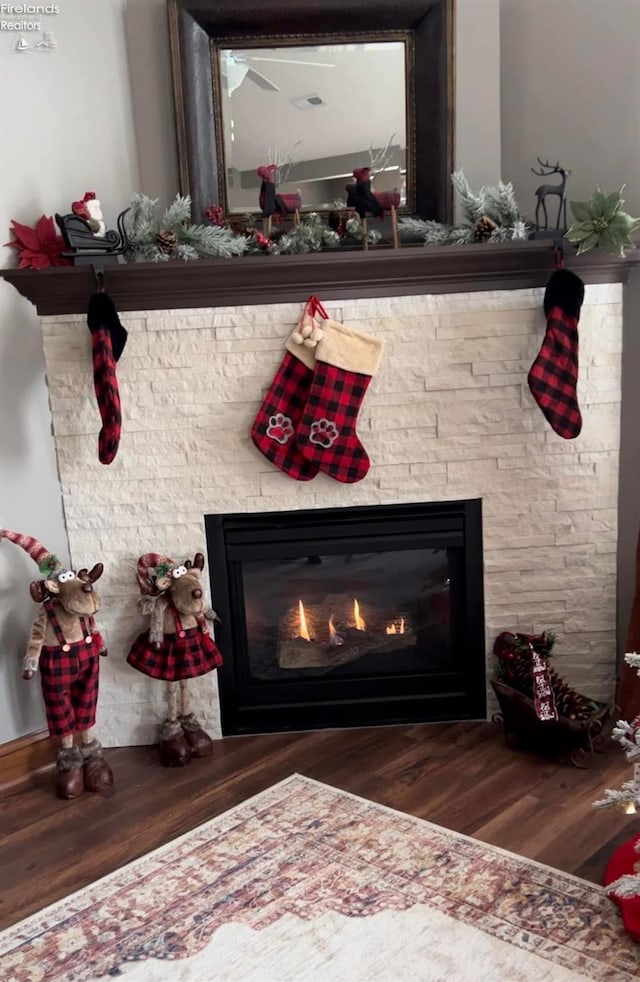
(323, 433)
(326, 436)
(280, 428)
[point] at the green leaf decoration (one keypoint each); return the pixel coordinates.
(581, 210)
(624, 223)
(598, 203)
(162, 569)
(588, 243)
(613, 203)
(600, 223)
(579, 230)
(49, 565)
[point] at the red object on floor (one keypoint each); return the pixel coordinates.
(622, 863)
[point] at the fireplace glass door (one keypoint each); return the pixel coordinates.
(349, 616)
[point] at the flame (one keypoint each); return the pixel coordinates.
(304, 630)
(392, 629)
(360, 624)
(630, 808)
(332, 628)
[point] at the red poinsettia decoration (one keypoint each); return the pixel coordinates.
(38, 247)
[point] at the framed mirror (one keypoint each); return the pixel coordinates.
(316, 111)
(316, 93)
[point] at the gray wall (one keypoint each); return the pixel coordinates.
(67, 128)
(570, 83)
(97, 114)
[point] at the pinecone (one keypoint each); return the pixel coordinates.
(484, 228)
(515, 670)
(167, 241)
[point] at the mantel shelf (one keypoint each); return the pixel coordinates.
(338, 275)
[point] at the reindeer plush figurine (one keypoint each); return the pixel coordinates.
(65, 645)
(177, 647)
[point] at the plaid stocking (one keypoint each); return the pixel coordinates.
(345, 362)
(108, 338)
(553, 377)
(274, 427)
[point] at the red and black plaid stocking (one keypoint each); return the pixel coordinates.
(553, 377)
(108, 338)
(278, 418)
(345, 362)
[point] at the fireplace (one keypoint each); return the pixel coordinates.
(349, 616)
(448, 418)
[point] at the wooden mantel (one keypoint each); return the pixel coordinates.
(334, 275)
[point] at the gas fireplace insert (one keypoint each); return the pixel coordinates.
(349, 616)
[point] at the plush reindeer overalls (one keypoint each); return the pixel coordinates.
(177, 647)
(65, 646)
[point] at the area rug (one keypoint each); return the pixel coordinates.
(305, 882)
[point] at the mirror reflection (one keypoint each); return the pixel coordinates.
(316, 113)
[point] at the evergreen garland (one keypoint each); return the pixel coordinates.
(354, 232)
(490, 214)
(172, 235)
(311, 235)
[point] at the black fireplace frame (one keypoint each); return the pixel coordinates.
(251, 707)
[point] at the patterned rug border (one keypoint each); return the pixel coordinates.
(443, 828)
(292, 778)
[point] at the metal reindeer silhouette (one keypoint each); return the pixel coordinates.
(547, 190)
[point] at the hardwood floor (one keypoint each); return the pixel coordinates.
(459, 775)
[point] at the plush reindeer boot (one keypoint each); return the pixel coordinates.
(200, 743)
(69, 779)
(174, 749)
(98, 776)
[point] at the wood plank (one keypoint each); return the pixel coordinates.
(20, 759)
(461, 776)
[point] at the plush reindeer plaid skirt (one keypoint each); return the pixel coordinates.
(178, 658)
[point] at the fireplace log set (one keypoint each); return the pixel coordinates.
(347, 638)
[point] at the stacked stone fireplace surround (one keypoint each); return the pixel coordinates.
(449, 417)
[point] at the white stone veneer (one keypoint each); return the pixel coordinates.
(449, 416)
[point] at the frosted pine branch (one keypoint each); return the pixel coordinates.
(474, 203)
(625, 886)
(497, 203)
(186, 252)
(624, 734)
(148, 253)
(434, 233)
(617, 799)
(418, 228)
(633, 659)
(460, 235)
(213, 240)
(191, 241)
(501, 204)
(177, 214)
(142, 209)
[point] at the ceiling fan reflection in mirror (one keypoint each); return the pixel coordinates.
(235, 67)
